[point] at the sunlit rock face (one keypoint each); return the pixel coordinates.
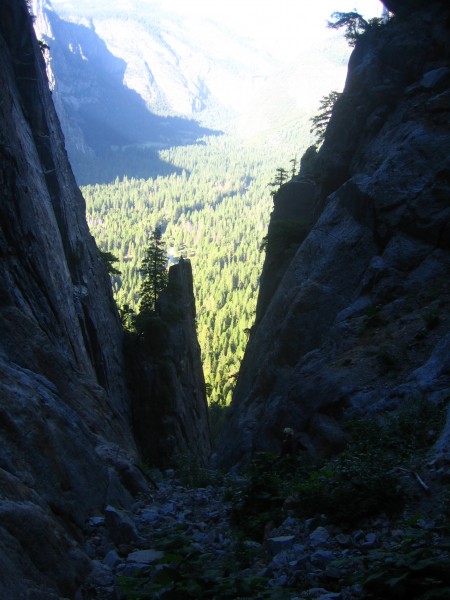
(66, 445)
(359, 322)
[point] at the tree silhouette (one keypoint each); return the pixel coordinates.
(355, 25)
(280, 177)
(293, 161)
(320, 121)
(154, 270)
(109, 259)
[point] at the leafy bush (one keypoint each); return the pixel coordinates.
(193, 474)
(359, 483)
(260, 499)
(417, 568)
(184, 571)
(354, 485)
(412, 429)
(362, 481)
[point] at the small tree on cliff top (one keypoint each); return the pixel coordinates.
(154, 270)
(355, 25)
(281, 177)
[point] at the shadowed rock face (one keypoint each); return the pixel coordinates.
(169, 396)
(359, 321)
(290, 221)
(406, 6)
(65, 427)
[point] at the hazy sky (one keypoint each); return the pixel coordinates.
(279, 26)
(253, 14)
(287, 9)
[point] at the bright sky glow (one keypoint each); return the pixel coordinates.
(254, 15)
(281, 27)
(279, 36)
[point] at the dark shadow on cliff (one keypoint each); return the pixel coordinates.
(109, 130)
(165, 377)
(140, 163)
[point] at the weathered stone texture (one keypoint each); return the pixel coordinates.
(356, 324)
(169, 396)
(65, 423)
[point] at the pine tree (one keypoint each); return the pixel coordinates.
(154, 270)
(293, 161)
(321, 120)
(109, 259)
(353, 22)
(355, 25)
(280, 177)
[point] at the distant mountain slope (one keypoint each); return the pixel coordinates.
(99, 113)
(139, 76)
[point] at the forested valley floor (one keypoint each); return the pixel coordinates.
(213, 209)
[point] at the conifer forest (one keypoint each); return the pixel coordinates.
(213, 207)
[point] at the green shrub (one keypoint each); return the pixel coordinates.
(184, 571)
(152, 331)
(359, 483)
(194, 474)
(356, 484)
(350, 487)
(260, 500)
(417, 568)
(413, 428)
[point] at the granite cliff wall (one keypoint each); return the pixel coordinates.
(67, 448)
(358, 322)
(66, 439)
